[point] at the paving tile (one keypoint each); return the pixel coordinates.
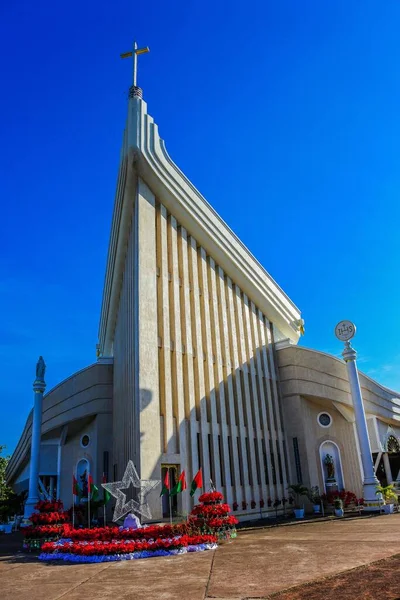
(26, 591)
(136, 590)
(256, 564)
(169, 568)
(52, 573)
(269, 560)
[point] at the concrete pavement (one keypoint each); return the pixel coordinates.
(255, 565)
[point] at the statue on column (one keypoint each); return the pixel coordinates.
(330, 466)
(40, 368)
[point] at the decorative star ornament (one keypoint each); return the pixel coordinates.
(123, 507)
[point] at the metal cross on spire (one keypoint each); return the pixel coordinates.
(135, 53)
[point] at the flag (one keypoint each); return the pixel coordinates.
(197, 482)
(166, 486)
(180, 486)
(92, 489)
(76, 490)
(95, 493)
(106, 493)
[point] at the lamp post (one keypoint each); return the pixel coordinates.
(39, 386)
(345, 331)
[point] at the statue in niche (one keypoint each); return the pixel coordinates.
(84, 484)
(330, 466)
(40, 368)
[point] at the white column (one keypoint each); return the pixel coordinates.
(371, 501)
(39, 386)
(388, 470)
(61, 443)
(59, 451)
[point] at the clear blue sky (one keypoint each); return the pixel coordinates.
(285, 115)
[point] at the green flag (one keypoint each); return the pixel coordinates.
(106, 493)
(95, 493)
(180, 486)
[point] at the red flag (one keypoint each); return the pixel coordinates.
(197, 482)
(182, 479)
(166, 485)
(89, 483)
(166, 480)
(75, 487)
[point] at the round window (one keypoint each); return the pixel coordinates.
(324, 419)
(85, 440)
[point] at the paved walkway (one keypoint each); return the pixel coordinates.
(255, 565)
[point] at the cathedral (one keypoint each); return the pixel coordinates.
(198, 363)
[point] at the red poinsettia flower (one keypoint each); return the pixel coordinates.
(96, 548)
(211, 497)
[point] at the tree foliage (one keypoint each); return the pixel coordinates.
(5, 490)
(10, 503)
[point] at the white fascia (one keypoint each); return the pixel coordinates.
(146, 157)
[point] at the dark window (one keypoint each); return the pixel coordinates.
(297, 460)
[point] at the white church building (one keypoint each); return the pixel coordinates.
(198, 363)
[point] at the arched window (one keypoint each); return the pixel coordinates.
(82, 474)
(392, 444)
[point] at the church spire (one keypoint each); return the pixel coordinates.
(134, 90)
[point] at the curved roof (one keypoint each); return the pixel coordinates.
(315, 374)
(84, 394)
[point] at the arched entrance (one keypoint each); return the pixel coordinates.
(387, 463)
(82, 475)
(331, 466)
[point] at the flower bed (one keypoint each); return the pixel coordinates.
(212, 516)
(208, 510)
(349, 499)
(49, 518)
(43, 531)
(211, 498)
(46, 506)
(48, 524)
(106, 534)
(114, 550)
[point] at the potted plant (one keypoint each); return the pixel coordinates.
(298, 490)
(338, 504)
(277, 503)
(389, 497)
(315, 499)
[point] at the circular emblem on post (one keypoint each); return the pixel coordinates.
(345, 330)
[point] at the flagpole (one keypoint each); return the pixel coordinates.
(73, 503)
(104, 504)
(89, 488)
(170, 503)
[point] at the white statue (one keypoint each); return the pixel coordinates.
(132, 522)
